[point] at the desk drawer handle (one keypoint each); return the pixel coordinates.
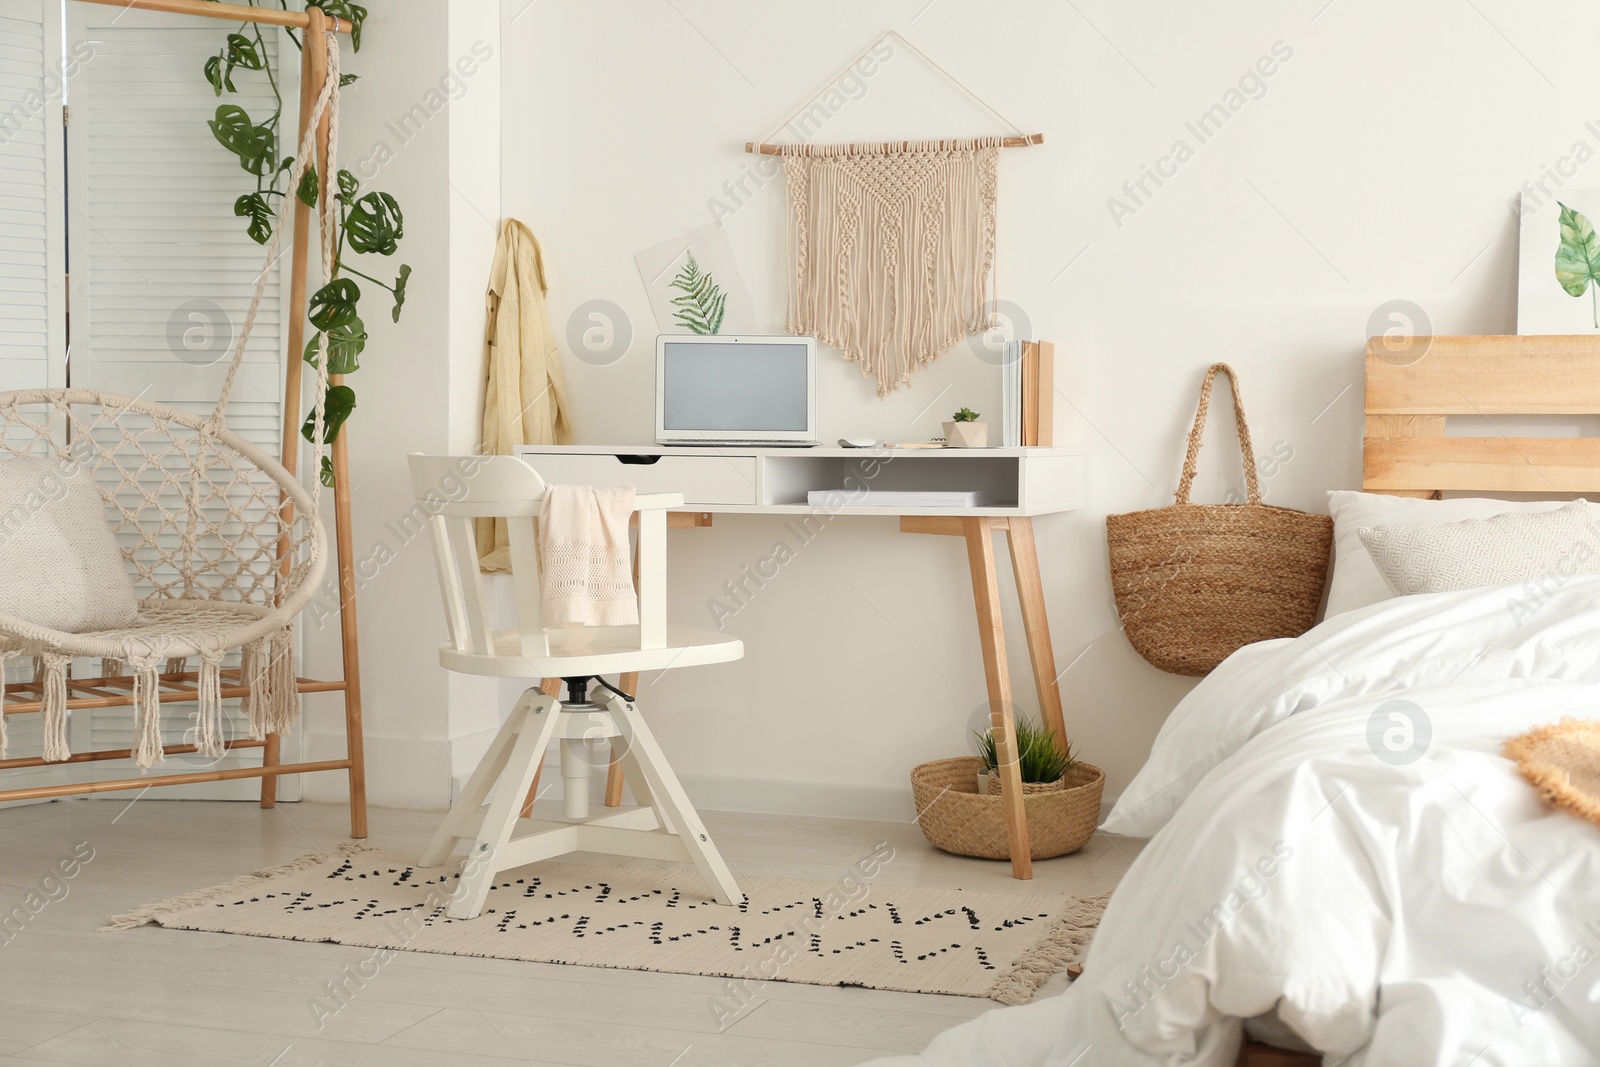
(641, 461)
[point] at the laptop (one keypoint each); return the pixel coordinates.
(736, 390)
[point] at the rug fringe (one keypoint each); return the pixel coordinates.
(152, 913)
(1055, 949)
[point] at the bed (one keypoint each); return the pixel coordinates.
(1405, 451)
(1340, 858)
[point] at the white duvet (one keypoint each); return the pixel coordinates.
(1377, 877)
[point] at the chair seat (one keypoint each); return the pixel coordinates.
(595, 650)
(174, 627)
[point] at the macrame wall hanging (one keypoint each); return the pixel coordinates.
(891, 245)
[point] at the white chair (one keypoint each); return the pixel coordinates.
(665, 825)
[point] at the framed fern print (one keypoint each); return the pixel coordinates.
(695, 286)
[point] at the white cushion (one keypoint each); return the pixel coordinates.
(60, 566)
(1437, 557)
(1356, 581)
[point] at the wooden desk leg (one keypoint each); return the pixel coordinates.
(550, 687)
(1036, 623)
(991, 636)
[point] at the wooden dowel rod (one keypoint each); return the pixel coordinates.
(344, 538)
(313, 73)
(229, 12)
(166, 696)
(76, 686)
(1005, 142)
(300, 246)
(40, 792)
(120, 753)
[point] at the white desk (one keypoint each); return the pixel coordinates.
(775, 481)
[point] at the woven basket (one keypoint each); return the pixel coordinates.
(1196, 582)
(957, 818)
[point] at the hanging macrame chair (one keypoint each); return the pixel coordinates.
(222, 541)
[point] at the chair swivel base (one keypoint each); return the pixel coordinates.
(664, 827)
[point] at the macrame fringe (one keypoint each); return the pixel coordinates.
(283, 706)
(252, 676)
(110, 667)
(154, 913)
(177, 665)
(147, 714)
(271, 669)
(6, 656)
(51, 669)
(1059, 946)
(208, 730)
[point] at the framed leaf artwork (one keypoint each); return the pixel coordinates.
(695, 286)
(1558, 264)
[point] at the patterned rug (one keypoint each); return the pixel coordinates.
(849, 932)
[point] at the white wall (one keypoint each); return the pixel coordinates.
(1374, 164)
(423, 124)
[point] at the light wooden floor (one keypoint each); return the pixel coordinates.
(69, 994)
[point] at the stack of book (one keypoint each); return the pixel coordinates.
(1028, 386)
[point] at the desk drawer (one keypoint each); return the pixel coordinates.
(704, 479)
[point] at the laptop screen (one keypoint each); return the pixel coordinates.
(755, 387)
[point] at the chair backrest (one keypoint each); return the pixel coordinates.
(452, 492)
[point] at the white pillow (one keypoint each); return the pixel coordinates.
(1437, 557)
(60, 566)
(1356, 581)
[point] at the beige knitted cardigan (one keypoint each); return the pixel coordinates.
(525, 402)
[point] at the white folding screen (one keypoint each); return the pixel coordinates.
(162, 268)
(32, 240)
(32, 197)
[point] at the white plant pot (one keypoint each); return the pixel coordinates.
(966, 435)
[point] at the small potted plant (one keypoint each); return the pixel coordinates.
(1043, 764)
(965, 431)
(961, 804)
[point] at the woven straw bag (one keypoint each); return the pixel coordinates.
(1195, 582)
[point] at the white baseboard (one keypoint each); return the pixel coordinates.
(827, 800)
(402, 772)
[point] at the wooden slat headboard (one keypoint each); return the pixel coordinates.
(1409, 397)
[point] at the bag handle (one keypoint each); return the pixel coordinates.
(1252, 485)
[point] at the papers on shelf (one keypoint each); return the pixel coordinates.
(904, 498)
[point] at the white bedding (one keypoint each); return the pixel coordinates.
(1395, 914)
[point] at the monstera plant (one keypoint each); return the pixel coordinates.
(370, 222)
(1578, 259)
